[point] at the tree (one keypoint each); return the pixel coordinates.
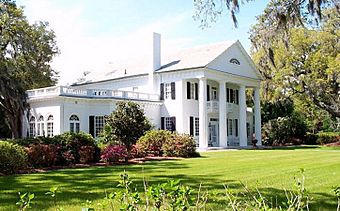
(282, 12)
(308, 68)
(127, 123)
(25, 55)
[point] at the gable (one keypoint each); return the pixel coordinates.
(236, 61)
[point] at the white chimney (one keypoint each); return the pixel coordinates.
(156, 51)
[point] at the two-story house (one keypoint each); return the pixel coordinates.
(199, 91)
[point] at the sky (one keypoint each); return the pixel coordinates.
(100, 35)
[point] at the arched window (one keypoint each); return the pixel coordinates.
(74, 123)
(50, 126)
(32, 126)
(40, 126)
(234, 61)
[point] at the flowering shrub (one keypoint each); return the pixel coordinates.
(12, 157)
(86, 154)
(68, 157)
(180, 145)
(114, 154)
(42, 155)
(152, 141)
(137, 151)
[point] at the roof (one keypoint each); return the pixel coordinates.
(185, 59)
(194, 57)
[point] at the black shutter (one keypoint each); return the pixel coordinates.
(173, 123)
(228, 99)
(236, 127)
(162, 123)
(208, 93)
(91, 125)
(191, 123)
(188, 90)
(173, 91)
(236, 96)
(196, 91)
(162, 91)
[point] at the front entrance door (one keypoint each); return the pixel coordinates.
(213, 133)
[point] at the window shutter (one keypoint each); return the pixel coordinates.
(162, 91)
(196, 91)
(208, 93)
(162, 123)
(173, 91)
(173, 123)
(188, 90)
(236, 93)
(191, 123)
(228, 99)
(91, 125)
(236, 127)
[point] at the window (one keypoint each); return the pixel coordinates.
(197, 128)
(50, 126)
(167, 91)
(214, 93)
(74, 123)
(32, 127)
(99, 125)
(168, 123)
(234, 61)
(232, 96)
(236, 127)
(40, 126)
(192, 90)
(230, 127)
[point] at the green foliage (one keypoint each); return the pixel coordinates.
(12, 157)
(25, 201)
(273, 110)
(180, 145)
(26, 51)
(128, 123)
(327, 137)
(153, 140)
(284, 130)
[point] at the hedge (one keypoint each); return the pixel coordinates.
(12, 157)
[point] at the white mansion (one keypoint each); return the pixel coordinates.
(200, 91)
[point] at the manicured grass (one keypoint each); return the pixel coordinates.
(271, 171)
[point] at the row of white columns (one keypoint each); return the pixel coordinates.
(223, 138)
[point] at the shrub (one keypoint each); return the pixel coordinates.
(86, 154)
(180, 145)
(114, 154)
(42, 155)
(284, 130)
(328, 137)
(310, 139)
(152, 141)
(137, 152)
(12, 157)
(72, 143)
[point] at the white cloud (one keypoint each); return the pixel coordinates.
(82, 50)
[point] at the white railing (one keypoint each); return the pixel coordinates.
(213, 106)
(92, 93)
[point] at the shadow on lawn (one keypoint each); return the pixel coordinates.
(79, 185)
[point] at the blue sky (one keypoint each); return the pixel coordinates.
(95, 35)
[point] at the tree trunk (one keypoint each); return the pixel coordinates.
(15, 123)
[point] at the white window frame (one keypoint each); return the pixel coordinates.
(32, 127)
(40, 126)
(99, 123)
(214, 93)
(168, 123)
(167, 91)
(49, 126)
(74, 123)
(196, 126)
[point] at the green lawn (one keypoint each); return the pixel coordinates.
(270, 170)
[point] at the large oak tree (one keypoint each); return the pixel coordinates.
(26, 51)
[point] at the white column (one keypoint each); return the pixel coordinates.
(242, 116)
(257, 113)
(222, 115)
(202, 109)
